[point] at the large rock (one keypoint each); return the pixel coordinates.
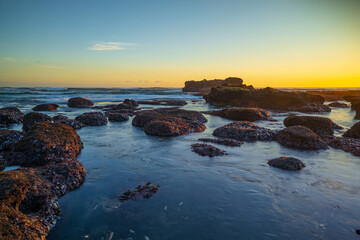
(243, 114)
(344, 143)
(10, 115)
(34, 117)
(245, 131)
(354, 131)
(206, 150)
(300, 137)
(68, 122)
(320, 125)
(79, 102)
(205, 86)
(116, 116)
(46, 107)
(92, 119)
(8, 137)
(287, 163)
(28, 198)
(169, 122)
(268, 98)
(44, 143)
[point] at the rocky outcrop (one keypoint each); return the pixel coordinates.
(287, 163)
(44, 143)
(243, 114)
(8, 137)
(268, 98)
(205, 86)
(34, 117)
(10, 115)
(338, 105)
(207, 150)
(79, 102)
(245, 131)
(46, 107)
(92, 119)
(68, 122)
(300, 137)
(131, 102)
(344, 143)
(164, 102)
(116, 116)
(320, 125)
(225, 142)
(169, 122)
(354, 131)
(28, 198)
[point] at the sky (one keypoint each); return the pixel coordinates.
(157, 43)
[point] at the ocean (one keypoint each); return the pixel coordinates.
(236, 196)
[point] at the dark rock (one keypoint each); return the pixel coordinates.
(225, 142)
(131, 102)
(8, 137)
(205, 86)
(207, 150)
(354, 131)
(80, 102)
(92, 119)
(115, 116)
(243, 114)
(287, 163)
(169, 122)
(145, 191)
(28, 198)
(300, 137)
(352, 99)
(344, 143)
(338, 105)
(10, 115)
(245, 131)
(165, 102)
(357, 231)
(68, 122)
(355, 106)
(320, 125)
(46, 107)
(34, 117)
(44, 143)
(311, 108)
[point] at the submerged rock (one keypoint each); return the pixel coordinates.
(92, 119)
(287, 163)
(46, 107)
(166, 102)
(34, 117)
(225, 142)
(8, 137)
(169, 122)
(44, 143)
(115, 116)
(300, 137)
(344, 143)
(131, 102)
(246, 131)
(207, 150)
(243, 114)
(338, 105)
(320, 125)
(145, 191)
(28, 198)
(68, 122)
(79, 102)
(10, 115)
(354, 131)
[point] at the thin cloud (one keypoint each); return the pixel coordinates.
(51, 67)
(8, 59)
(110, 46)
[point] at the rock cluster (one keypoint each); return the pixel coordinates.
(206, 150)
(225, 142)
(205, 86)
(145, 191)
(287, 163)
(346, 144)
(243, 114)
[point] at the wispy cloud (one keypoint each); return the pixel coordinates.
(51, 67)
(8, 59)
(110, 46)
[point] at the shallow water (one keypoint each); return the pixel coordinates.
(237, 196)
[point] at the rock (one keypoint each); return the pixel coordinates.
(225, 142)
(243, 114)
(10, 115)
(8, 137)
(338, 105)
(166, 102)
(268, 98)
(44, 143)
(335, 95)
(300, 137)
(357, 231)
(92, 119)
(123, 106)
(344, 143)
(287, 163)
(206, 150)
(169, 122)
(131, 102)
(357, 116)
(145, 191)
(246, 131)
(354, 131)
(311, 108)
(205, 86)
(320, 125)
(115, 116)
(352, 99)
(356, 106)
(79, 102)
(46, 107)
(28, 198)
(68, 122)
(34, 117)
